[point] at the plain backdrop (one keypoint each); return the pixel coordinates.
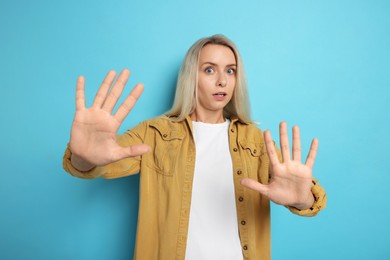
(322, 65)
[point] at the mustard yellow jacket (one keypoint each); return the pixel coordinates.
(166, 183)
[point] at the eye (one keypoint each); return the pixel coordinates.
(209, 70)
(231, 71)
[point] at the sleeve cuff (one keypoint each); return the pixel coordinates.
(68, 167)
(319, 201)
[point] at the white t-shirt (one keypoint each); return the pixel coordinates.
(213, 231)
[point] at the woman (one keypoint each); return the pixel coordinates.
(207, 173)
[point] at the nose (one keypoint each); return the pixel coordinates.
(221, 81)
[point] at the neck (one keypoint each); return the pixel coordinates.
(210, 118)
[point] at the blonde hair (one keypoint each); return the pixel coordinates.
(187, 82)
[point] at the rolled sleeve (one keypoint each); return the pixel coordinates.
(88, 175)
(319, 201)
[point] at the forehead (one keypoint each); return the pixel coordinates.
(216, 53)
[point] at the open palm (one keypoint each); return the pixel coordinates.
(94, 129)
(291, 180)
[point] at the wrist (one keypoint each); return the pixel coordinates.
(306, 204)
(80, 164)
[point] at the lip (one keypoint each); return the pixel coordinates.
(219, 96)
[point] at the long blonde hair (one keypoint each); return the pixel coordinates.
(187, 82)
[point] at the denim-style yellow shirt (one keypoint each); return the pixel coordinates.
(166, 175)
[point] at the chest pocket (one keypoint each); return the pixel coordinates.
(166, 151)
(252, 149)
(250, 154)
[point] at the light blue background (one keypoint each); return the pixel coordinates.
(323, 65)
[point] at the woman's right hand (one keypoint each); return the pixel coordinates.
(94, 129)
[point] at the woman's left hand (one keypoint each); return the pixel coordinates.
(290, 183)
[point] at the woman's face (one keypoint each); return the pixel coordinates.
(216, 78)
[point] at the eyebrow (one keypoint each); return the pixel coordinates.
(214, 64)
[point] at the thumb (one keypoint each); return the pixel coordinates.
(133, 151)
(255, 185)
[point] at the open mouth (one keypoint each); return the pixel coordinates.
(220, 94)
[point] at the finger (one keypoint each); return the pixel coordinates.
(296, 148)
(80, 96)
(254, 185)
(284, 146)
(271, 151)
(129, 103)
(116, 91)
(103, 90)
(311, 157)
(132, 151)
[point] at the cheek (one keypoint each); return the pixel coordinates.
(200, 86)
(203, 84)
(234, 80)
(232, 83)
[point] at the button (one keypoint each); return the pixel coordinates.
(165, 135)
(235, 149)
(239, 172)
(232, 130)
(240, 199)
(245, 247)
(243, 222)
(255, 151)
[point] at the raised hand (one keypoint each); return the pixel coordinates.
(94, 129)
(290, 183)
